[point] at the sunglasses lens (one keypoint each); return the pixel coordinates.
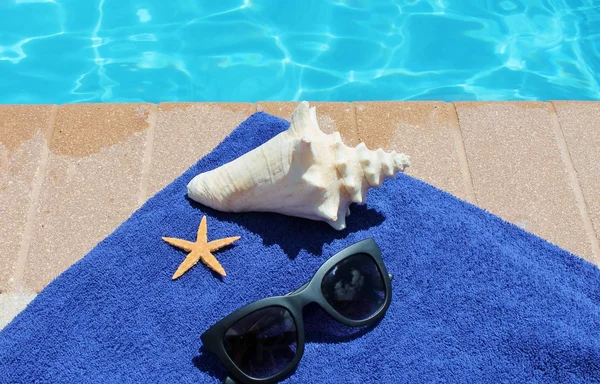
(263, 343)
(354, 287)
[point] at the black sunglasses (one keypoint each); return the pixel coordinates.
(263, 342)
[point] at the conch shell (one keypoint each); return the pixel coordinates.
(301, 172)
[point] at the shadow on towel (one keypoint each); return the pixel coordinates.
(272, 227)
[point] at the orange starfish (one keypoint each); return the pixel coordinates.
(200, 250)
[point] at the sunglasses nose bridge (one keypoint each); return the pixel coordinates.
(302, 299)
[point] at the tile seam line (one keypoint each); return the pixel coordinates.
(354, 124)
(34, 205)
(463, 160)
(148, 151)
(582, 205)
(353, 106)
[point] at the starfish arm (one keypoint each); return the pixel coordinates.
(218, 244)
(180, 243)
(202, 237)
(188, 263)
(210, 260)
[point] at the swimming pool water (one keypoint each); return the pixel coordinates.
(61, 51)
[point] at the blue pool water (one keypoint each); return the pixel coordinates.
(61, 51)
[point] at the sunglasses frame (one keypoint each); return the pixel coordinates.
(294, 302)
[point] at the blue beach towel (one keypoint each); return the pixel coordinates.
(475, 299)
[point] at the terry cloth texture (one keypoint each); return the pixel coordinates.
(475, 299)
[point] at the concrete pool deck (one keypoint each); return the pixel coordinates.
(70, 174)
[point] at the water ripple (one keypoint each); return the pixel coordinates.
(61, 51)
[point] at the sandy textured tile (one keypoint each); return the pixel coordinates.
(23, 133)
(518, 172)
(331, 117)
(580, 124)
(185, 132)
(427, 132)
(92, 184)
